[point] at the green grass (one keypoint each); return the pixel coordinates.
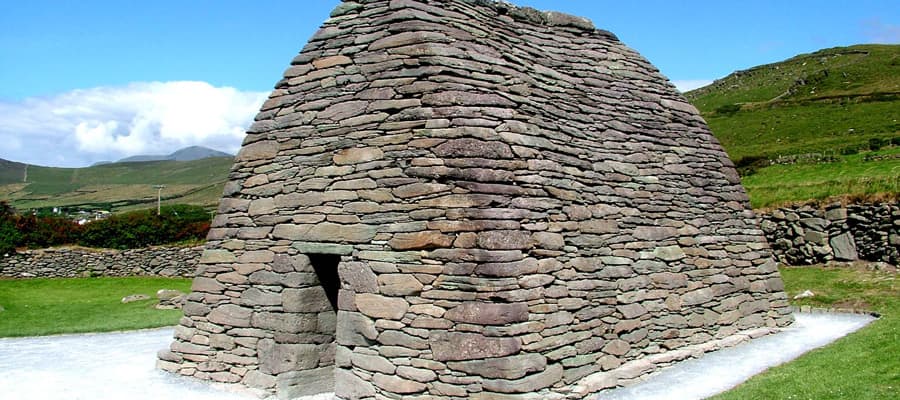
(862, 365)
(51, 306)
(809, 128)
(851, 177)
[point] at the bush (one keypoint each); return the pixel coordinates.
(750, 164)
(46, 231)
(895, 141)
(145, 228)
(876, 144)
(728, 109)
(9, 237)
(177, 223)
(850, 150)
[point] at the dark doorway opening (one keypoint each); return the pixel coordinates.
(326, 267)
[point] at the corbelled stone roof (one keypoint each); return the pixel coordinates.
(470, 199)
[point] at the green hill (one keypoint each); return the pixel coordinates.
(117, 187)
(829, 118)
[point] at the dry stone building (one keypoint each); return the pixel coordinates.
(466, 199)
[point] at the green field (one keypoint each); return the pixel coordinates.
(812, 128)
(33, 307)
(850, 178)
(862, 365)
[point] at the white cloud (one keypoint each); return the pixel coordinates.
(84, 126)
(685, 85)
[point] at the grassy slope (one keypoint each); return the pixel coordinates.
(862, 365)
(122, 184)
(851, 71)
(823, 102)
(850, 177)
(51, 306)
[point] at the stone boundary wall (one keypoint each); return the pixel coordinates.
(807, 235)
(801, 235)
(70, 262)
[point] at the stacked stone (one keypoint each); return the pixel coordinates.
(465, 199)
(72, 262)
(807, 235)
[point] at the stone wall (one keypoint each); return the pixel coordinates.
(464, 199)
(70, 262)
(809, 235)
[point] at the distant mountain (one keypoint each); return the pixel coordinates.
(186, 154)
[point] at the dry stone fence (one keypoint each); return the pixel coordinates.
(72, 262)
(810, 235)
(465, 199)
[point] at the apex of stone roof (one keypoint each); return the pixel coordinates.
(529, 14)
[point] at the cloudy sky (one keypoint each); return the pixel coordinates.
(89, 81)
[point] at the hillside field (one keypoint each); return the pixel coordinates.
(836, 110)
(119, 186)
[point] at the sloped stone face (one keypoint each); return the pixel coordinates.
(468, 199)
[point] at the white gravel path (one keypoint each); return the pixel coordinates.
(118, 366)
(107, 366)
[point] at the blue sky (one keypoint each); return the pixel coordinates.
(102, 80)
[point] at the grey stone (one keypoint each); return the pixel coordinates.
(397, 338)
(230, 315)
(456, 346)
(349, 386)
(399, 285)
(396, 384)
(294, 384)
(306, 300)
(488, 313)
(378, 306)
(511, 367)
(528, 384)
(372, 363)
(844, 247)
(277, 358)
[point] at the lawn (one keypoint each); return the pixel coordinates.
(50, 306)
(862, 365)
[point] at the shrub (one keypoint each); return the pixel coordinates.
(46, 231)
(850, 150)
(728, 109)
(750, 164)
(145, 228)
(9, 235)
(895, 141)
(876, 144)
(177, 223)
